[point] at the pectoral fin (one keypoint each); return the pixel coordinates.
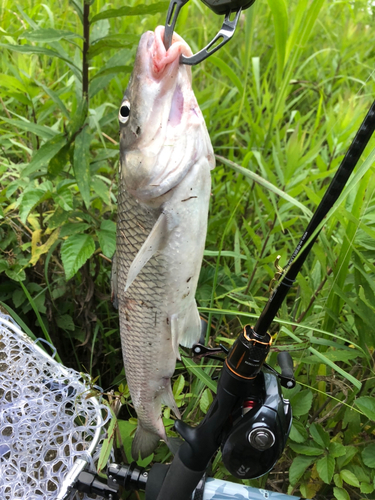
(154, 242)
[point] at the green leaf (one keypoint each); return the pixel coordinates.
(325, 467)
(264, 182)
(107, 237)
(49, 35)
(58, 162)
(367, 405)
(337, 450)
(39, 130)
(178, 386)
(306, 450)
(75, 251)
(349, 477)
(82, 164)
(280, 21)
(301, 402)
(43, 155)
(341, 494)
(107, 445)
(319, 435)
(200, 373)
(298, 432)
(56, 99)
(139, 10)
(65, 322)
(366, 488)
(205, 400)
(117, 41)
(298, 467)
(79, 117)
(101, 189)
(118, 70)
(368, 456)
(71, 228)
(32, 50)
(350, 453)
(337, 480)
(29, 200)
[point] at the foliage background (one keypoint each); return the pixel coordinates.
(282, 101)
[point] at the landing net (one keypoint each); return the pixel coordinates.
(49, 427)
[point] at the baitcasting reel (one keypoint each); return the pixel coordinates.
(258, 435)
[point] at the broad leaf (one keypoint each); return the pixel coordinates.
(75, 251)
(298, 432)
(298, 467)
(306, 449)
(301, 402)
(319, 435)
(107, 237)
(139, 10)
(178, 386)
(43, 156)
(349, 477)
(341, 494)
(368, 456)
(325, 467)
(337, 450)
(205, 400)
(367, 405)
(29, 200)
(82, 164)
(37, 251)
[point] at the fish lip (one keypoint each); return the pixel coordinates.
(161, 60)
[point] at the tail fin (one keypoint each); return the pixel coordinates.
(144, 442)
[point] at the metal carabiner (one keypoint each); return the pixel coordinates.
(225, 34)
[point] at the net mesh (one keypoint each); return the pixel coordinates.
(47, 420)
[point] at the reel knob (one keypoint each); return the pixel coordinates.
(261, 438)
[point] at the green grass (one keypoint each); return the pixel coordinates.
(282, 102)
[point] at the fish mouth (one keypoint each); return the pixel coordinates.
(162, 59)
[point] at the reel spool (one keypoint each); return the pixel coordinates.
(49, 430)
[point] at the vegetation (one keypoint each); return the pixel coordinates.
(282, 101)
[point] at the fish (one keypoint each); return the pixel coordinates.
(164, 189)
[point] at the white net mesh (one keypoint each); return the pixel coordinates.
(47, 422)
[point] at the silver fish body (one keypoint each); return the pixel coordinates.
(164, 189)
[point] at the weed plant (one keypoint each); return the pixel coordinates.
(282, 102)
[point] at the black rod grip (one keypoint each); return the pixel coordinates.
(179, 482)
(286, 364)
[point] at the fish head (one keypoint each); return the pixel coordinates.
(162, 130)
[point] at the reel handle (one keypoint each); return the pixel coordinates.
(287, 374)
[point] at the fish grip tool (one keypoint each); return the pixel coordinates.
(50, 429)
(220, 7)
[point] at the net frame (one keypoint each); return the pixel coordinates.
(27, 375)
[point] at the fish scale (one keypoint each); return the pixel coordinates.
(140, 308)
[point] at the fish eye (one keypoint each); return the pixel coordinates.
(124, 112)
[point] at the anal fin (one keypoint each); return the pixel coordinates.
(186, 327)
